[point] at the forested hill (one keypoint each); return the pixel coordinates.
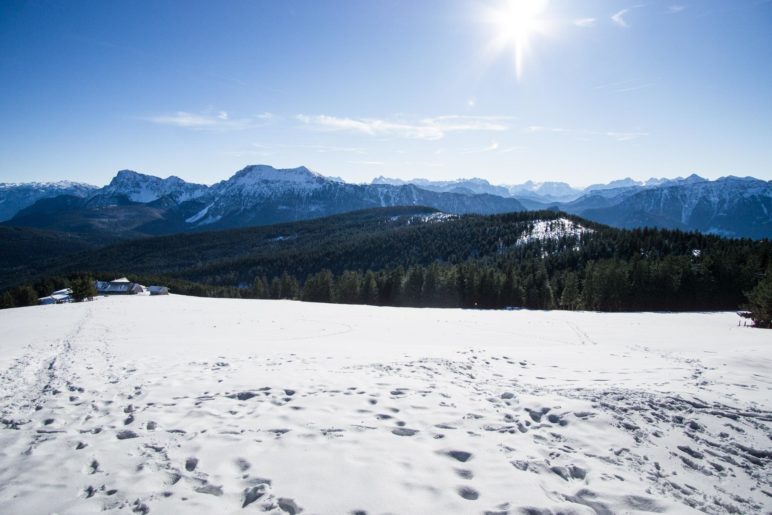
(418, 256)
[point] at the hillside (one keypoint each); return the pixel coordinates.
(23, 250)
(417, 256)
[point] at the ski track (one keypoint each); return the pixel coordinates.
(87, 426)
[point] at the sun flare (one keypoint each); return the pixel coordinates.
(514, 24)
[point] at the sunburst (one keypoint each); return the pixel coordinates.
(514, 23)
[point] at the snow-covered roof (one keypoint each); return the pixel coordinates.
(118, 286)
(55, 298)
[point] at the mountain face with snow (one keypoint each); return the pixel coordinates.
(473, 186)
(259, 195)
(540, 191)
(135, 204)
(545, 191)
(138, 187)
(15, 197)
(730, 206)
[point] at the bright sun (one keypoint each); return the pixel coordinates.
(514, 24)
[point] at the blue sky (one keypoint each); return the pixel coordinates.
(602, 89)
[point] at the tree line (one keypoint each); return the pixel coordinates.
(671, 284)
(392, 258)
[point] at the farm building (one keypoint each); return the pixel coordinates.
(57, 297)
(120, 286)
(158, 290)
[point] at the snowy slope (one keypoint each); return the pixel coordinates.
(187, 405)
(542, 230)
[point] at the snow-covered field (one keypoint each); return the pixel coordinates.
(188, 405)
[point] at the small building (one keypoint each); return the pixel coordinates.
(120, 286)
(158, 290)
(57, 297)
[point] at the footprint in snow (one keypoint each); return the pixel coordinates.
(470, 494)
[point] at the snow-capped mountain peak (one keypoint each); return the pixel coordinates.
(139, 187)
(473, 186)
(261, 180)
(264, 173)
(549, 190)
(627, 182)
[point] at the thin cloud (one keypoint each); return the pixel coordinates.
(584, 133)
(493, 147)
(368, 163)
(676, 8)
(626, 136)
(633, 88)
(219, 121)
(609, 85)
(624, 86)
(584, 22)
(434, 128)
(541, 128)
(619, 17)
(322, 149)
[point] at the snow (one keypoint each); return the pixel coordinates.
(198, 216)
(187, 405)
(430, 218)
(434, 217)
(58, 185)
(144, 188)
(264, 179)
(211, 219)
(543, 230)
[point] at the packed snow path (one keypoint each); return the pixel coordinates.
(187, 405)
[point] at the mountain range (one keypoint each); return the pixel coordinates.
(14, 197)
(136, 205)
(729, 206)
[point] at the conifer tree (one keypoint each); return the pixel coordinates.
(24, 296)
(347, 287)
(6, 300)
(83, 287)
(276, 288)
(369, 291)
(760, 302)
(289, 286)
(569, 298)
(260, 288)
